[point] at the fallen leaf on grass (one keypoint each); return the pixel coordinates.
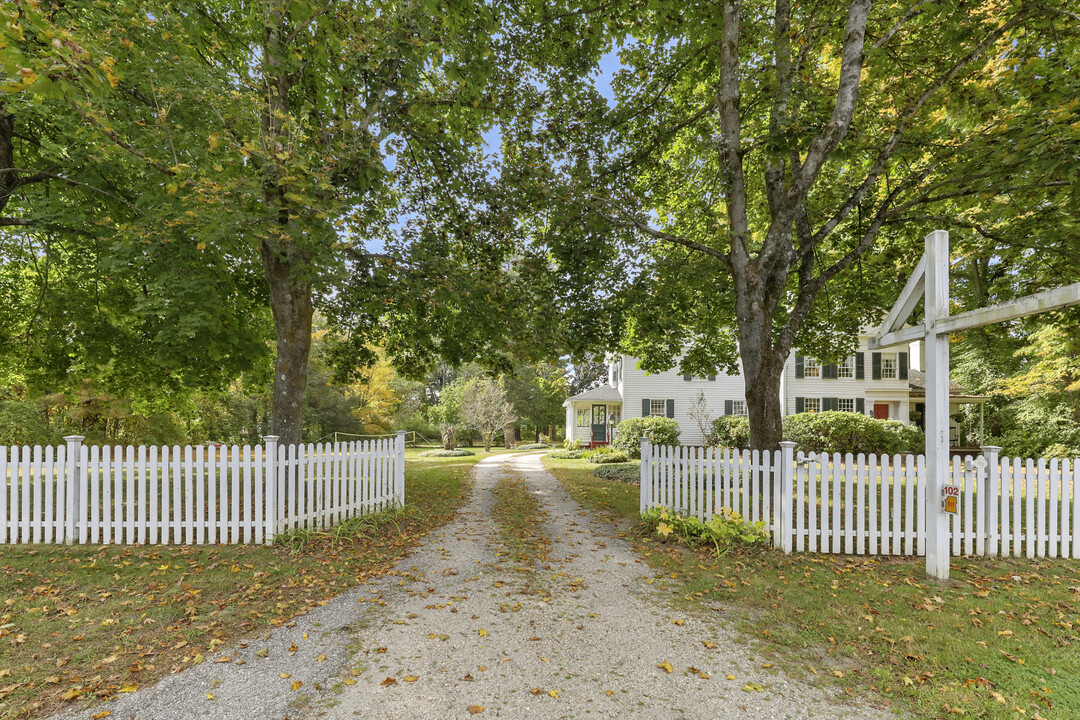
(666, 667)
(5, 673)
(129, 688)
(838, 673)
(476, 709)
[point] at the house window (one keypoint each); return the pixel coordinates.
(583, 417)
(888, 366)
(845, 404)
(738, 407)
(811, 367)
(812, 405)
(846, 368)
(658, 408)
(615, 416)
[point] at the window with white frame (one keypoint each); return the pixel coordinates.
(614, 416)
(811, 367)
(846, 404)
(583, 417)
(888, 366)
(658, 407)
(846, 368)
(738, 407)
(812, 405)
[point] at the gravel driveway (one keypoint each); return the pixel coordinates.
(451, 634)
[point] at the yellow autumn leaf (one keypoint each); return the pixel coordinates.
(320, 657)
(349, 681)
(296, 685)
(482, 632)
(729, 676)
(128, 687)
(197, 659)
(908, 681)
(285, 676)
(666, 667)
(101, 715)
(664, 529)
(752, 687)
(553, 693)
(678, 621)
(410, 678)
(709, 645)
(210, 696)
(476, 709)
(838, 673)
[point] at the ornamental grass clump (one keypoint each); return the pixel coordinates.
(725, 530)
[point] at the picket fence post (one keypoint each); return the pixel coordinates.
(399, 468)
(646, 475)
(991, 488)
(270, 487)
(74, 502)
(783, 496)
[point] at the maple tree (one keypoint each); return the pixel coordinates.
(764, 171)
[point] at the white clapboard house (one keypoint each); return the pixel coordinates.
(878, 384)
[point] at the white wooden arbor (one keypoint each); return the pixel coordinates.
(931, 279)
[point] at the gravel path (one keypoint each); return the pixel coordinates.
(451, 632)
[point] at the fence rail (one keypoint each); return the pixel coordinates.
(865, 504)
(75, 493)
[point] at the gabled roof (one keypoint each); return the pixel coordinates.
(604, 393)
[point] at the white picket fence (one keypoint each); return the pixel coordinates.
(76, 493)
(873, 505)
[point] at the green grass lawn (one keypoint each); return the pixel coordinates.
(1000, 640)
(89, 622)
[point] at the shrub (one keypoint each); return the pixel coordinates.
(562, 454)
(605, 454)
(629, 472)
(732, 431)
(725, 530)
(572, 443)
(533, 446)
(659, 431)
(447, 453)
(846, 432)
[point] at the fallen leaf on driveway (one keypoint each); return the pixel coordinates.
(476, 709)
(666, 667)
(388, 681)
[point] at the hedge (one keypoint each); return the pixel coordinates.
(446, 453)
(659, 431)
(629, 472)
(833, 431)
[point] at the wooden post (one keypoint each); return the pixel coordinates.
(399, 469)
(784, 490)
(270, 487)
(75, 500)
(937, 403)
(646, 475)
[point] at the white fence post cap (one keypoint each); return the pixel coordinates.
(787, 443)
(74, 438)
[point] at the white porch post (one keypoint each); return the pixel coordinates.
(937, 403)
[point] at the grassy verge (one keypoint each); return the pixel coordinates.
(90, 622)
(517, 513)
(1000, 640)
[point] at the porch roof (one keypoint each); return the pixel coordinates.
(605, 393)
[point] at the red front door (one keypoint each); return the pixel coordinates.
(881, 411)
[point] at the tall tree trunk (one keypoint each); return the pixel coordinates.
(762, 361)
(290, 301)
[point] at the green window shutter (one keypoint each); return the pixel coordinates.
(860, 405)
(687, 377)
(830, 404)
(876, 366)
(645, 408)
(903, 365)
(799, 372)
(800, 405)
(671, 408)
(711, 378)
(828, 372)
(860, 366)
(729, 407)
